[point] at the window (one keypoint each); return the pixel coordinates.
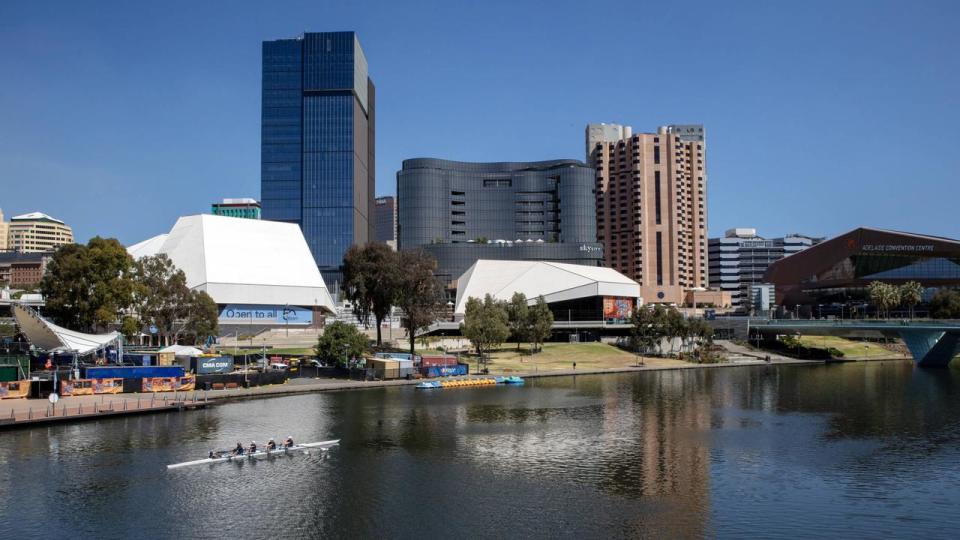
(656, 195)
(656, 154)
(659, 258)
(497, 182)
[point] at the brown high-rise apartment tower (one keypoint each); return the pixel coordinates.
(652, 206)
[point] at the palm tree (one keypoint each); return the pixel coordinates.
(911, 293)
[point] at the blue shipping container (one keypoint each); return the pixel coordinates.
(446, 371)
(136, 372)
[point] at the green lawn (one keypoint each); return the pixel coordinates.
(558, 356)
(301, 351)
(849, 347)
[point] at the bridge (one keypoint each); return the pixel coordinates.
(931, 344)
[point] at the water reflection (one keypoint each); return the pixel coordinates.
(839, 450)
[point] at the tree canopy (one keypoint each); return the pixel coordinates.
(485, 324)
(371, 279)
(945, 304)
(339, 343)
(87, 287)
(419, 293)
(540, 323)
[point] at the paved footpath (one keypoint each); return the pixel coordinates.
(83, 407)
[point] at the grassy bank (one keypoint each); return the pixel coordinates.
(851, 348)
(561, 356)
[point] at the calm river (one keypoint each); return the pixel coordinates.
(855, 450)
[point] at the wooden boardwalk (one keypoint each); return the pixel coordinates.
(31, 412)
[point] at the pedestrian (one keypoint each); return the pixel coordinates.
(574, 365)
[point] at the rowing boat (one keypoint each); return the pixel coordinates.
(305, 447)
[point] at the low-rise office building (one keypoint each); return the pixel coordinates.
(740, 258)
(840, 269)
(239, 208)
(463, 212)
(23, 270)
(36, 231)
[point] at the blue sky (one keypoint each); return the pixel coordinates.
(118, 117)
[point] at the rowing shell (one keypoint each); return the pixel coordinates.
(323, 445)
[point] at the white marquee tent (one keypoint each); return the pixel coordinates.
(45, 335)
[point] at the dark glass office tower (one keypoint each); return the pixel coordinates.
(317, 142)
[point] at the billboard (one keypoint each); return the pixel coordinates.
(204, 365)
(617, 309)
(252, 314)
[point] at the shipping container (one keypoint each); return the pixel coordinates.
(135, 372)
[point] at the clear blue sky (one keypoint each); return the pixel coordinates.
(821, 116)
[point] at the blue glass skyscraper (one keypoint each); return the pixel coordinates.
(317, 142)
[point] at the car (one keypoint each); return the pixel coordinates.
(277, 366)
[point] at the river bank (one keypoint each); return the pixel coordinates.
(24, 413)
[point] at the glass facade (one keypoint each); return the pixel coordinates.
(462, 212)
(317, 151)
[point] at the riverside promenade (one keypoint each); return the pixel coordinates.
(34, 412)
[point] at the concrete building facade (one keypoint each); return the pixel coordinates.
(245, 208)
(651, 206)
(740, 258)
(36, 231)
(385, 221)
(462, 212)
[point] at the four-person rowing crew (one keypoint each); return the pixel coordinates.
(252, 452)
(239, 450)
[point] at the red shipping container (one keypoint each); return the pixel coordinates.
(436, 361)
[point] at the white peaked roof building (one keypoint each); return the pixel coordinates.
(556, 282)
(242, 261)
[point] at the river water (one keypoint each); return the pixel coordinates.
(860, 450)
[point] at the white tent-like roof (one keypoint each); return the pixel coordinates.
(50, 337)
(554, 281)
(182, 350)
(242, 261)
(147, 248)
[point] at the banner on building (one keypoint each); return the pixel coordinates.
(88, 387)
(250, 314)
(169, 384)
(14, 389)
(617, 309)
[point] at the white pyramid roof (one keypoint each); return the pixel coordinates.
(242, 261)
(50, 337)
(147, 248)
(556, 282)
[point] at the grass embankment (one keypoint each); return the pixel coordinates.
(559, 356)
(851, 348)
(296, 351)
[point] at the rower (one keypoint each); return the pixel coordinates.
(238, 451)
(289, 442)
(271, 445)
(210, 455)
(253, 447)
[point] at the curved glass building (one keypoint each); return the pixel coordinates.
(462, 212)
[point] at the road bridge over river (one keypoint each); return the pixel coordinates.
(932, 344)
